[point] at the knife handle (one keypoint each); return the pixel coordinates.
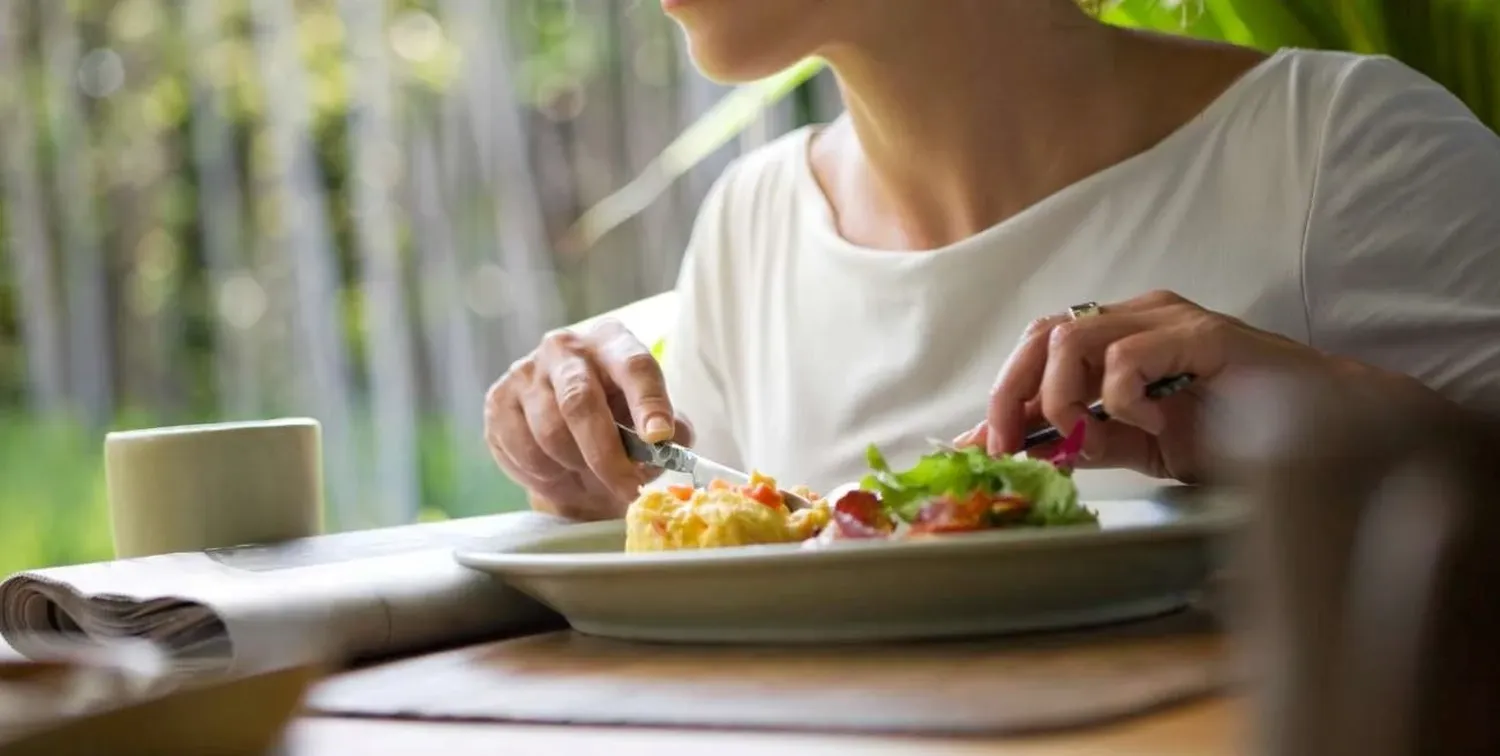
(636, 448)
(665, 455)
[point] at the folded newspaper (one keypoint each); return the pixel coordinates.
(254, 608)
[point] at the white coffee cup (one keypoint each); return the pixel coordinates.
(197, 487)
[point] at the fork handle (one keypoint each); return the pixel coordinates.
(1155, 390)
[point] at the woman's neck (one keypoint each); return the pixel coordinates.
(961, 119)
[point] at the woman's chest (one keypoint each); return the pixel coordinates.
(836, 366)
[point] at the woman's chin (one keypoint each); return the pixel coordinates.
(730, 74)
(725, 66)
(735, 41)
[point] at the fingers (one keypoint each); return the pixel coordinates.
(635, 373)
(585, 409)
(573, 498)
(550, 420)
(1075, 364)
(495, 421)
(1027, 371)
(1018, 383)
(513, 445)
(1124, 446)
(978, 435)
(1133, 362)
(550, 430)
(1064, 363)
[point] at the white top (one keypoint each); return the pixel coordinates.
(1347, 202)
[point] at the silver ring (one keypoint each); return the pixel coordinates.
(1085, 310)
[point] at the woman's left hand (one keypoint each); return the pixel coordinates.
(1064, 363)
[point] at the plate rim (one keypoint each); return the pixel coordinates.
(508, 557)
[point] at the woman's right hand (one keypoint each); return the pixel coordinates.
(550, 420)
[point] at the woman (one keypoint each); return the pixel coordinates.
(1000, 162)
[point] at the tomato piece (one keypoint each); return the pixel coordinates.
(682, 493)
(858, 515)
(764, 494)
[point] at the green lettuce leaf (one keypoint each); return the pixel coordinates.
(958, 473)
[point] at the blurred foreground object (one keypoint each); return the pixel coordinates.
(1375, 542)
(108, 700)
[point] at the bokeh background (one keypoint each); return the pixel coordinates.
(363, 210)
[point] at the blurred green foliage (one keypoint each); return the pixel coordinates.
(1456, 42)
(52, 503)
(53, 507)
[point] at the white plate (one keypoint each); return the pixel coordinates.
(1149, 557)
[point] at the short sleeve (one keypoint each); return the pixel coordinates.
(1401, 260)
(694, 351)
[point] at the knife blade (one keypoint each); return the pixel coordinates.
(669, 456)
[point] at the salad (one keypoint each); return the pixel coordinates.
(957, 491)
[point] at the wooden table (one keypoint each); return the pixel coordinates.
(1215, 727)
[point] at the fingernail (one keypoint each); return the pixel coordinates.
(971, 437)
(657, 428)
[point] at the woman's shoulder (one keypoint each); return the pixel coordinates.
(1376, 114)
(1334, 116)
(758, 198)
(762, 180)
(1344, 89)
(1329, 71)
(754, 197)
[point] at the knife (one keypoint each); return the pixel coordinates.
(669, 456)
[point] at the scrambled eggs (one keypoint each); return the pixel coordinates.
(682, 517)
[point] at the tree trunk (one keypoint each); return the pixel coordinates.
(487, 91)
(651, 121)
(450, 335)
(148, 325)
(26, 223)
(396, 494)
(601, 165)
(308, 249)
(89, 360)
(220, 221)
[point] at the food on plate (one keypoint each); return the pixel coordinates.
(682, 517)
(955, 490)
(946, 491)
